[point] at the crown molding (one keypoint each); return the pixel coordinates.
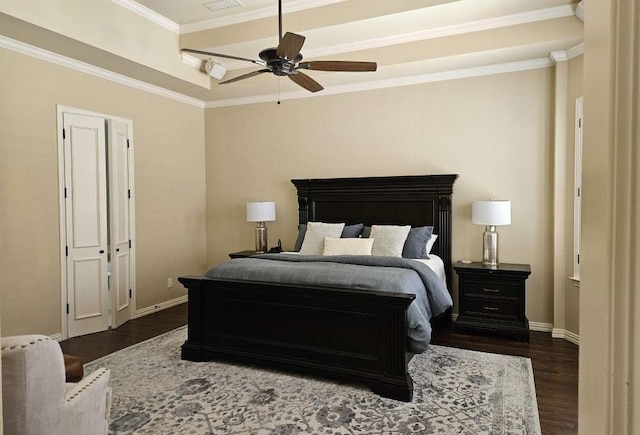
(67, 62)
(389, 83)
(438, 32)
(575, 51)
(271, 11)
(150, 15)
(558, 56)
(193, 61)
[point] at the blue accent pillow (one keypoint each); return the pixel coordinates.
(352, 231)
(416, 244)
(349, 232)
(302, 230)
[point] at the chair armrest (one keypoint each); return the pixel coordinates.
(87, 404)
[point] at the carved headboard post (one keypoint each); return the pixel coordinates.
(303, 187)
(444, 225)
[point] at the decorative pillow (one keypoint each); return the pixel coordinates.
(416, 244)
(389, 239)
(313, 243)
(351, 231)
(430, 243)
(347, 246)
(366, 232)
(302, 230)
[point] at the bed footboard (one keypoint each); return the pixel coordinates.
(353, 335)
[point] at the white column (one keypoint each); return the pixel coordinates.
(559, 58)
(609, 390)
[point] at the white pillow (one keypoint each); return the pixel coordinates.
(389, 239)
(430, 242)
(350, 246)
(313, 243)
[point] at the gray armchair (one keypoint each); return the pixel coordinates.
(36, 399)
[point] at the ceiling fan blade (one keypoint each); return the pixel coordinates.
(306, 82)
(226, 56)
(290, 45)
(245, 76)
(338, 65)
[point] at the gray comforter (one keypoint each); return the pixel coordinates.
(390, 274)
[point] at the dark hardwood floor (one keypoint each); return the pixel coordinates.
(555, 361)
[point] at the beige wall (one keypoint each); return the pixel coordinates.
(495, 131)
(169, 187)
(572, 289)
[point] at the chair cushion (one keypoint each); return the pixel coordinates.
(73, 368)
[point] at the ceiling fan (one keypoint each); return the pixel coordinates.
(286, 60)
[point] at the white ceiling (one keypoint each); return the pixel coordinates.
(411, 40)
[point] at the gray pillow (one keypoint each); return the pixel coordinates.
(366, 232)
(302, 230)
(349, 232)
(416, 244)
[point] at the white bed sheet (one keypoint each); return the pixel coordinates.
(436, 264)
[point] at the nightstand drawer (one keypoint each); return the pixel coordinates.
(491, 307)
(491, 288)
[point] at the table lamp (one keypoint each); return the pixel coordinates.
(490, 214)
(261, 212)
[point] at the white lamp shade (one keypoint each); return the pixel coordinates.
(490, 213)
(263, 211)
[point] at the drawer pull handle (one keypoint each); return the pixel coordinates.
(491, 290)
(490, 308)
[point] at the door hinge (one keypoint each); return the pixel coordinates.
(67, 308)
(130, 293)
(127, 143)
(129, 193)
(65, 192)
(578, 192)
(129, 243)
(578, 258)
(66, 251)
(64, 134)
(580, 122)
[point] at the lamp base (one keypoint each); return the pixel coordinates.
(490, 247)
(261, 238)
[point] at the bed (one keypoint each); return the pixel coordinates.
(348, 334)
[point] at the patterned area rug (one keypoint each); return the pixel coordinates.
(455, 392)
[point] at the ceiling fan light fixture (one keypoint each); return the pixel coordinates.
(217, 5)
(215, 69)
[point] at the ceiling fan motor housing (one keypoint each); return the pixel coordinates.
(278, 65)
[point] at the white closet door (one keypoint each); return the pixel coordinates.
(86, 224)
(119, 193)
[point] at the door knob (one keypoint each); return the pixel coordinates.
(102, 251)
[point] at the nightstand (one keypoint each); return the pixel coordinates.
(244, 254)
(492, 299)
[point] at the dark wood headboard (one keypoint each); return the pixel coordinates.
(415, 200)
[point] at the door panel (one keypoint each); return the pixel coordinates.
(119, 230)
(86, 224)
(86, 285)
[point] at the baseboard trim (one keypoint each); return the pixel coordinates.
(161, 306)
(567, 335)
(546, 327)
(56, 337)
(540, 327)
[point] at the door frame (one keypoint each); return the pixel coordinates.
(61, 109)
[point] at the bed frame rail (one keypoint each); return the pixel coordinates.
(353, 335)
